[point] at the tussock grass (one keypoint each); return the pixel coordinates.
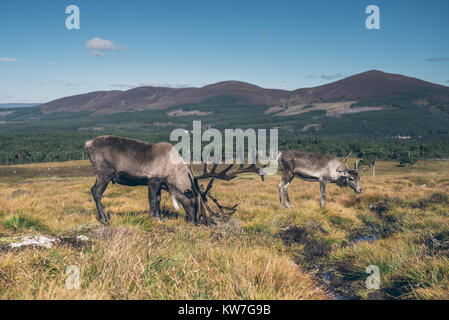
(398, 224)
(20, 223)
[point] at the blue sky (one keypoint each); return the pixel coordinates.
(276, 44)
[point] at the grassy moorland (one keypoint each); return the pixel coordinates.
(400, 224)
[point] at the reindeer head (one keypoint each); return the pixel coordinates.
(203, 194)
(185, 194)
(349, 177)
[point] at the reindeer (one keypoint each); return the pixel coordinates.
(315, 167)
(160, 167)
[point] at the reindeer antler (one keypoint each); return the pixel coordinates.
(226, 174)
(204, 194)
(346, 159)
(203, 205)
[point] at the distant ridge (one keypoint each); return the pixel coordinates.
(368, 84)
(17, 105)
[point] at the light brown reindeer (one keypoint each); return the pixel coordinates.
(322, 168)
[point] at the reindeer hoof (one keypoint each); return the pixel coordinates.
(104, 222)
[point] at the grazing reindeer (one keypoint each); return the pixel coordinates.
(160, 167)
(135, 163)
(315, 167)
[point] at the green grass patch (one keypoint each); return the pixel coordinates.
(19, 223)
(437, 198)
(143, 222)
(418, 181)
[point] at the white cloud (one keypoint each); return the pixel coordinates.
(168, 85)
(124, 85)
(437, 59)
(330, 76)
(152, 84)
(326, 76)
(98, 47)
(72, 84)
(8, 59)
(98, 53)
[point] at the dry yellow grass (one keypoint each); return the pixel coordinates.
(244, 258)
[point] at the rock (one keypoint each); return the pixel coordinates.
(39, 240)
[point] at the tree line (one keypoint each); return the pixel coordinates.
(22, 148)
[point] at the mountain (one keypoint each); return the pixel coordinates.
(370, 84)
(17, 105)
(141, 98)
(365, 85)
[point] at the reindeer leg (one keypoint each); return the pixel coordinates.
(97, 192)
(154, 196)
(323, 193)
(281, 187)
(285, 183)
(287, 199)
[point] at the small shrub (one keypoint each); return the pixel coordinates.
(385, 205)
(381, 207)
(341, 221)
(22, 222)
(406, 161)
(420, 180)
(438, 242)
(437, 198)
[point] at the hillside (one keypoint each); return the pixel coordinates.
(141, 98)
(369, 84)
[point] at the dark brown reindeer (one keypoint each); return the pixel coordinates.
(160, 167)
(310, 166)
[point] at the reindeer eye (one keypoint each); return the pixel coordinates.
(188, 194)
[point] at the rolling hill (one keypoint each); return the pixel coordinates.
(142, 98)
(371, 84)
(367, 85)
